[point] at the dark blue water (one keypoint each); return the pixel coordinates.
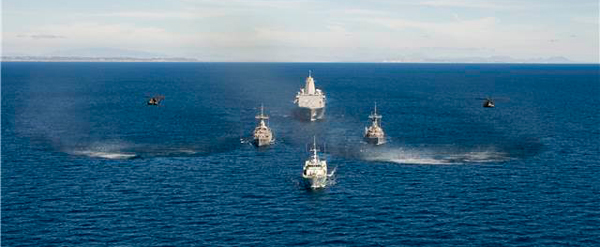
(86, 162)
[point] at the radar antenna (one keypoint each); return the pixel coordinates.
(314, 148)
(375, 111)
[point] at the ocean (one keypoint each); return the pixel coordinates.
(86, 162)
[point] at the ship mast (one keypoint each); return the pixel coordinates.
(375, 111)
(314, 149)
(374, 117)
(262, 117)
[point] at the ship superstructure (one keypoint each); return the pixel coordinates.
(263, 135)
(314, 173)
(310, 101)
(374, 134)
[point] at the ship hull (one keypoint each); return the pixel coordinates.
(375, 140)
(309, 114)
(315, 182)
(262, 142)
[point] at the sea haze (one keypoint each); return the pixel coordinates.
(86, 162)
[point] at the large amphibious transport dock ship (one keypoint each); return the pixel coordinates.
(310, 101)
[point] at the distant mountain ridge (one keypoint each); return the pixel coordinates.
(492, 59)
(103, 52)
(96, 54)
(93, 59)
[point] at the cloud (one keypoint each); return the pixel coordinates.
(510, 5)
(359, 12)
(445, 26)
(589, 20)
(185, 15)
(292, 28)
(464, 4)
(245, 4)
(456, 32)
(333, 36)
(40, 36)
(47, 38)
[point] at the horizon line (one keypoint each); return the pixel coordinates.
(347, 62)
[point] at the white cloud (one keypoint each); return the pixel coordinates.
(335, 36)
(82, 35)
(465, 4)
(456, 32)
(40, 36)
(291, 28)
(586, 20)
(157, 15)
(275, 4)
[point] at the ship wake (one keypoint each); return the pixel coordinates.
(112, 151)
(105, 155)
(433, 156)
(125, 151)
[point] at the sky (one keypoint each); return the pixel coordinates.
(304, 30)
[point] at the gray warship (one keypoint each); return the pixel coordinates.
(262, 133)
(314, 172)
(310, 101)
(374, 134)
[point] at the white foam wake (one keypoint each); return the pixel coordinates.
(105, 150)
(332, 172)
(432, 156)
(106, 155)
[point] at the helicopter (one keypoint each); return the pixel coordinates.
(155, 100)
(488, 102)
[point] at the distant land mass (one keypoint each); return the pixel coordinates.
(498, 59)
(93, 59)
(96, 54)
(103, 52)
(492, 59)
(108, 54)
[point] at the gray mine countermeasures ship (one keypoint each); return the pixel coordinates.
(374, 134)
(262, 133)
(310, 101)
